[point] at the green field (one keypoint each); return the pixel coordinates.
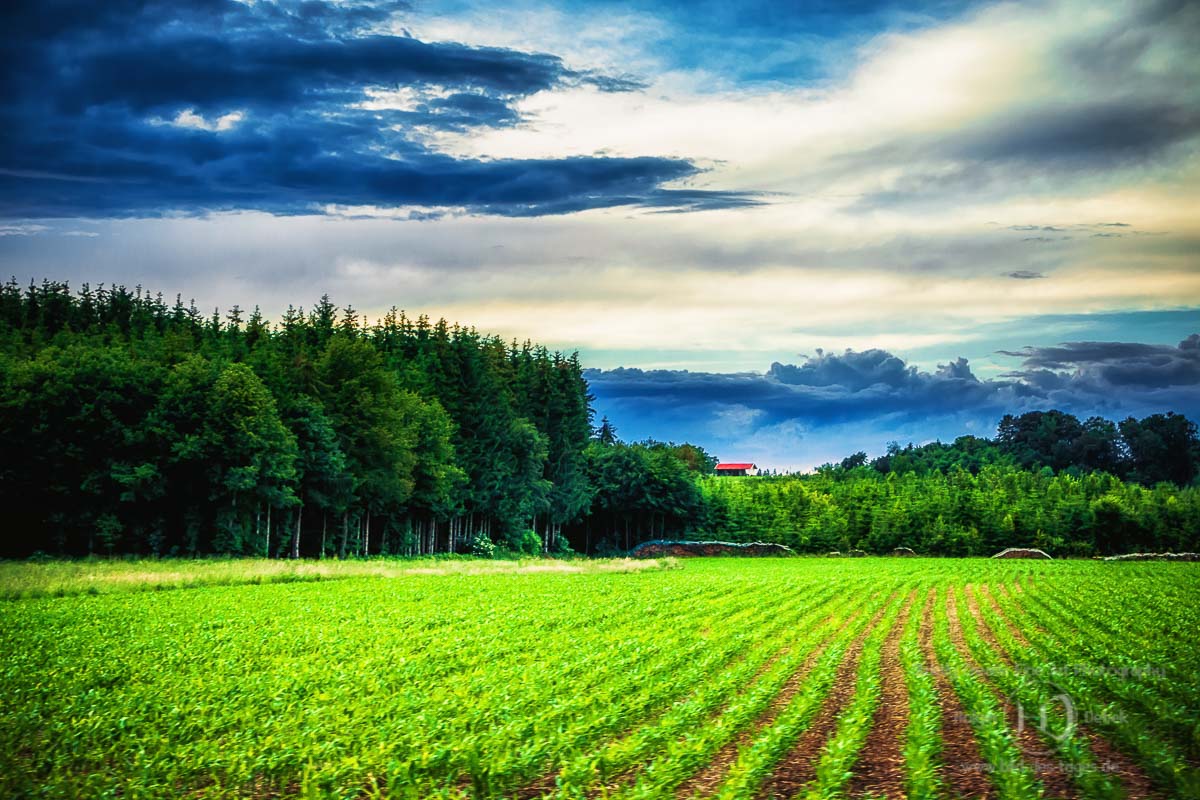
(726, 678)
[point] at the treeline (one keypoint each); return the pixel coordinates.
(957, 512)
(1046, 480)
(1158, 448)
(136, 426)
(131, 425)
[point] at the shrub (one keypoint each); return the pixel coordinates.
(482, 546)
(531, 543)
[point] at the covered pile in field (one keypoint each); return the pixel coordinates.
(658, 548)
(1021, 552)
(1155, 557)
(857, 554)
(903, 551)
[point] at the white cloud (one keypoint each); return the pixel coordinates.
(188, 118)
(866, 134)
(22, 229)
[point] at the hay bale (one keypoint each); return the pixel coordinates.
(834, 554)
(1022, 552)
(1155, 557)
(903, 552)
(858, 554)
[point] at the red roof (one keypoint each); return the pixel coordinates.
(735, 466)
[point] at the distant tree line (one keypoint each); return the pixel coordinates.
(1046, 480)
(954, 512)
(1156, 449)
(136, 426)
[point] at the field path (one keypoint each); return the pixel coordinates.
(798, 768)
(880, 771)
(1036, 753)
(705, 782)
(1108, 758)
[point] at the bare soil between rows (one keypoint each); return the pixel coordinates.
(706, 781)
(880, 770)
(1108, 758)
(1052, 772)
(798, 768)
(963, 766)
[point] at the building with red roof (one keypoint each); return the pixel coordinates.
(738, 469)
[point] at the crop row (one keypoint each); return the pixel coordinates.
(727, 679)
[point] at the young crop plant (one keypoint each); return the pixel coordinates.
(1040, 708)
(841, 751)
(1162, 690)
(1092, 691)
(690, 749)
(755, 762)
(562, 684)
(766, 666)
(522, 743)
(922, 738)
(1013, 779)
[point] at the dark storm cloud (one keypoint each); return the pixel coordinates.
(826, 389)
(1115, 365)
(271, 101)
(1107, 378)
(1086, 135)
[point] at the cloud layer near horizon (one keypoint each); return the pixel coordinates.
(799, 415)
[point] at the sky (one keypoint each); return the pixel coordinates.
(783, 231)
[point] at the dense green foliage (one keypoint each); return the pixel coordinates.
(1158, 448)
(954, 513)
(461, 685)
(135, 426)
(138, 427)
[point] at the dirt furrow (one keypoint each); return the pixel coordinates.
(963, 767)
(798, 768)
(547, 783)
(706, 780)
(1004, 590)
(1108, 758)
(880, 769)
(1054, 775)
(629, 776)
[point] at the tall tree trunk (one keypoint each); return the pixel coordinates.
(296, 538)
(345, 534)
(367, 534)
(324, 528)
(268, 531)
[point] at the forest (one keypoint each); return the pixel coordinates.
(132, 425)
